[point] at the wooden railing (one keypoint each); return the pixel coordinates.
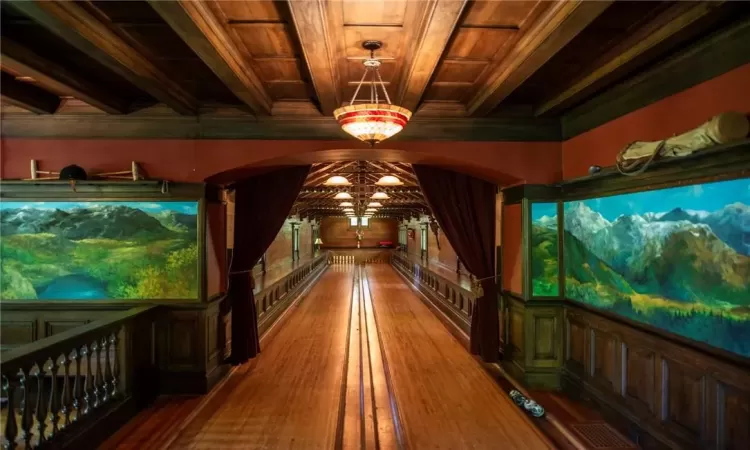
(58, 386)
(453, 300)
(359, 256)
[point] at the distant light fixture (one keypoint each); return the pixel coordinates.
(374, 205)
(380, 196)
(389, 180)
(351, 210)
(346, 204)
(370, 210)
(337, 180)
(343, 196)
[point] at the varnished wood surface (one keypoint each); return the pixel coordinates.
(445, 398)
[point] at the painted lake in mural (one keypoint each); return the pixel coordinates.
(98, 250)
(544, 259)
(677, 259)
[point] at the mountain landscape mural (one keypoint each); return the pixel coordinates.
(98, 250)
(544, 256)
(677, 259)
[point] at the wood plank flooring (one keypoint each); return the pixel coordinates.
(359, 363)
(445, 398)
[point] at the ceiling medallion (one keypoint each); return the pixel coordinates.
(372, 121)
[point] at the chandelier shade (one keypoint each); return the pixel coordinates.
(343, 196)
(371, 120)
(380, 196)
(389, 180)
(337, 180)
(351, 210)
(370, 210)
(374, 205)
(346, 204)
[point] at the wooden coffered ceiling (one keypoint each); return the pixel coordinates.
(317, 200)
(485, 65)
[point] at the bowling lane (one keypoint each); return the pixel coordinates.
(289, 396)
(445, 399)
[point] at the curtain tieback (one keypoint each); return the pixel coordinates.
(476, 286)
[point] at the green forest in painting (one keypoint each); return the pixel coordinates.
(99, 250)
(544, 258)
(677, 259)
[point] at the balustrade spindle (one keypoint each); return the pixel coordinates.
(54, 398)
(98, 397)
(87, 393)
(27, 411)
(67, 392)
(77, 384)
(115, 365)
(41, 405)
(11, 427)
(107, 370)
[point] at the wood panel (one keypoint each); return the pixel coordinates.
(664, 394)
(337, 233)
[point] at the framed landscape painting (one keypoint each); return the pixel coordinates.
(98, 250)
(545, 264)
(677, 259)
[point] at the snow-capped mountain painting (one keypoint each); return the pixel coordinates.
(544, 258)
(98, 250)
(677, 259)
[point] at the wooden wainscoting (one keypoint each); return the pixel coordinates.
(667, 395)
(533, 350)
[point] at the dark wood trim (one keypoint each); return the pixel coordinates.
(28, 96)
(720, 162)
(534, 192)
(144, 126)
(715, 55)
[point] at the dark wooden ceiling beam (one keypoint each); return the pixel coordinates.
(664, 27)
(79, 28)
(28, 96)
(24, 61)
(557, 26)
(197, 25)
(439, 19)
(311, 21)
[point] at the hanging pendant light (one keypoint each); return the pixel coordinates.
(380, 196)
(337, 180)
(374, 205)
(343, 196)
(373, 121)
(371, 210)
(389, 180)
(351, 210)
(346, 204)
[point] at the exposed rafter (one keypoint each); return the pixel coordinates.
(557, 26)
(677, 19)
(71, 22)
(24, 61)
(196, 24)
(311, 22)
(28, 96)
(438, 22)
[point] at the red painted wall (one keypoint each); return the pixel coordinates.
(196, 160)
(512, 251)
(672, 115)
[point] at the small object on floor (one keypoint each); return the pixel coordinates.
(594, 169)
(534, 408)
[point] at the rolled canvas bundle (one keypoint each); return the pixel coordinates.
(721, 129)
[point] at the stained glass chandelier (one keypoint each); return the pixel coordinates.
(373, 121)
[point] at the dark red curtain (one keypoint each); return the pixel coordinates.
(262, 203)
(464, 207)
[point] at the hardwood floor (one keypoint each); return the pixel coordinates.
(445, 398)
(359, 363)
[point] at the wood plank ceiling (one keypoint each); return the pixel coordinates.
(447, 58)
(317, 199)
